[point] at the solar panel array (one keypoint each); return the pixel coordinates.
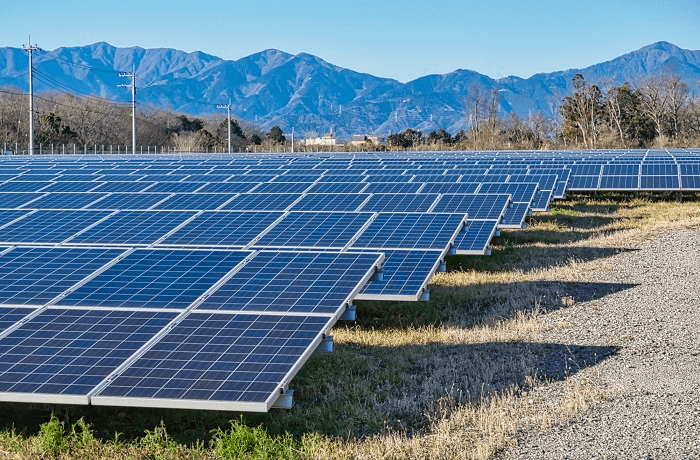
(206, 281)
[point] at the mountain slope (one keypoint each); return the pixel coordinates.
(305, 92)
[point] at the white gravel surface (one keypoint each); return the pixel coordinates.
(654, 378)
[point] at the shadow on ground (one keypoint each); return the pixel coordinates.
(357, 391)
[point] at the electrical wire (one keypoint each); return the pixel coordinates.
(55, 85)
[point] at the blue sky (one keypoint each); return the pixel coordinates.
(388, 38)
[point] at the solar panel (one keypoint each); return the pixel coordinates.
(584, 183)
(283, 187)
(660, 182)
(400, 202)
(74, 187)
(228, 188)
(155, 278)
(332, 230)
(475, 240)
(60, 355)
(67, 200)
(340, 187)
(50, 226)
(330, 202)
(261, 202)
(619, 183)
(9, 216)
(477, 206)
(17, 200)
(302, 282)
(520, 192)
(194, 201)
(9, 316)
(129, 201)
(515, 215)
(411, 231)
(406, 276)
(176, 187)
(37, 275)
(393, 187)
(223, 228)
(436, 187)
(124, 187)
(17, 186)
(218, 361)
(133, 227)
(541, 201)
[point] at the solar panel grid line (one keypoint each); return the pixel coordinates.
(478, 225)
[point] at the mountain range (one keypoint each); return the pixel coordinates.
(308, 94)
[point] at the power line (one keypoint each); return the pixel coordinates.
(82, 66)
(58, 86)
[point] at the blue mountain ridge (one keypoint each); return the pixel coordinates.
(305, 92)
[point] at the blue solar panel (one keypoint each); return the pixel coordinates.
(228, 188)
(520, 192)
(485, 178)
(378, 177)
(659, 183)
(308, 282)
(66, 200)
(133, 227)
(156, 278)
(411, 231)
(219, 361)
(68, 352)
(17, 186)
(515, 215)
(314, 230)
(50, 226)
(476, 238)
(330, 202)
(11, 215)
(619, 183)
(261, 202)
(124, 187)
(129, 201)
(400, 202)
(406, 274)
(340, 187)
(287, 178)
(690, 182)
(223, 228)
(74, 187)
(283, 187)
(176, 187)
(37, 275)
(9, 316)
(448, 178)
(544, 181)
(393, 187)
(560, 190)
(339, 178)
(436, 187)
(477, 206)
(654, 169)
(621, 170)
(541, 201)
(584, 183)
(252, 177)
(195, 201)
(17, 200)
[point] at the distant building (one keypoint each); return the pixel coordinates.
(327, 140)
(358, 139)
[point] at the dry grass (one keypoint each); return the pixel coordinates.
(459, 376)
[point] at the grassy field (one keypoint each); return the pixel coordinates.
(455, 377)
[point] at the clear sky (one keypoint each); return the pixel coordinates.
(387, 38)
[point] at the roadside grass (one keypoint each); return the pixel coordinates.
(455, 377)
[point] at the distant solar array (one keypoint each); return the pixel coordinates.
(206, 281)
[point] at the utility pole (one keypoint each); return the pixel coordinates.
(30, 49)
(131, 75)
(228, 112)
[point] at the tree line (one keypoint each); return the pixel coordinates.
(656, 111)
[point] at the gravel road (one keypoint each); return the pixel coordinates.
(654, 378)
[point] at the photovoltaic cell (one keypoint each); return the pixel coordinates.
(283, 187)
(218, 361)
(9, 316)
(228, 188)
(195, 201)
(541, 201)
(436, 187)
(477, 206)
(124, 187)
(133, 227)
(149, 278)
(37, 275)
(584, 183)
(339, 187)
(308, 282)
(393, 187)
(406, 274)
(50, 226)
(314, 230)
(17, 200)
(520, 192)
(230, 228)
(619, 183)
(10, 215)
(129, 201)
(68, 352)
(400, 202)
(476, 238)
(176, 187)
(73, 187)
(411, 231)
(17, 186)
(514, 216)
